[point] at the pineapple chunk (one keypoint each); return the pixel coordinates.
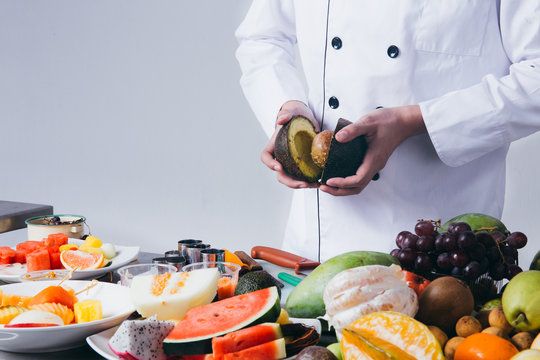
(87, 310)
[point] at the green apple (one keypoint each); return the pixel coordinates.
(521, 301)
(530, 354)
(335, 348)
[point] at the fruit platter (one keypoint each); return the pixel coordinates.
(56, 315)
(88, 258)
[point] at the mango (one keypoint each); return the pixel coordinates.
(477, 221)
(306, 300)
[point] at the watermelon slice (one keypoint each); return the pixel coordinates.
(271, 350)
(193, 334)
(245, 338)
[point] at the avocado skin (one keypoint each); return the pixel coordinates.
(306, 299)
(256, 280)
(344, 158)
(282, 154)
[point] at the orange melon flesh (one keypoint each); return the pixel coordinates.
(193, 334)
(245, 338)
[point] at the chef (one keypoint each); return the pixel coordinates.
(439, 88)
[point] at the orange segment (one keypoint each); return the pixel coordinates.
(81, 260)
(389, 335)
(232, 258)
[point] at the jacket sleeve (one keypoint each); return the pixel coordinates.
(468, 123)
(266, 54)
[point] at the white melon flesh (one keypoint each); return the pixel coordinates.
(182, 292)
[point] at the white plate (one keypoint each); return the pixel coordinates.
(116, 306)
(124, 255)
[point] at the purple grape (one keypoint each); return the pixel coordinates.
(425, 243)
(498, 236)
(423, 263)
(400, 237)
(485, 238)
(424, 228)
(409, 241)
(477, 252)
(517, 240)
(459, 258)
(406, 257)
(466, 240)
(444, 261)
(484, 265)
(471, 271)
(509, 251)
(493, 254)
(457, 271)
(497, 271)
(450, 242)
(439, 242)
(512, 271)
(509, 259)
(458, 227)
(394, 253)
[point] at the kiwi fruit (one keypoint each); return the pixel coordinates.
(443, 302)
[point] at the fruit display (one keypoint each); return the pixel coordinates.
(311, 157)
(52, 306)
(193, 334)
(462, 250)
(172, 295)
(362, 290)
(306, 300)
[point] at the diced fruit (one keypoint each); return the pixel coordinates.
(245, 338)
(7, 255)
(108, 250)
(59, 238)
(54, 294)
(92, 241)
(87, 310)
(68, 247)
(392, 334)
(38, 260)
(54, 258)
(91, 249)
(171, 295)
(16, 300)
(81, 260)
(7, 313)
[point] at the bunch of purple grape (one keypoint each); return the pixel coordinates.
(459, 252)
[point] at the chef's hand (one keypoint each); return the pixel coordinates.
(384, 130)
(287, 111)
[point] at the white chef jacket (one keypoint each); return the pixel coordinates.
(472, 65)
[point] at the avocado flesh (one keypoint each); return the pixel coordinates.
(293, 149)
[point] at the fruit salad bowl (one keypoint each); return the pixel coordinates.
(116, 306)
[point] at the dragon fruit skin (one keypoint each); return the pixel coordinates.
(141, 339)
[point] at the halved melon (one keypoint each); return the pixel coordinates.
(193, 334)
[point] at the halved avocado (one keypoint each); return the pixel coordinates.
(293, 149)
(344, 158)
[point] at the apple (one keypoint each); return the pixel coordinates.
(530, 354)
(335, 348)
(521, 301)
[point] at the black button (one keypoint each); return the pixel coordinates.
(336, 43)
(393, 51)
(333, 102)
(376, 177)
(379, 107)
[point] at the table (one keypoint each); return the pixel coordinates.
(13, 214)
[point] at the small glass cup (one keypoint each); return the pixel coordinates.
(127, 273)
(228, 276)
(183, 243)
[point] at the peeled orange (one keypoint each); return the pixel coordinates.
(81, 260)
(389, 335)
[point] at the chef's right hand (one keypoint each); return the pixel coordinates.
(287, 111)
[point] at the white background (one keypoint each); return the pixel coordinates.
(130, 113)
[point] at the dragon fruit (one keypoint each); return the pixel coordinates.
(141, 339)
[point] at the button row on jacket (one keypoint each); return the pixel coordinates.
(333, 102)
(336, 43)
(393, 51)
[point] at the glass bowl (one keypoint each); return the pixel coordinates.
(127, 273)
(228, 275)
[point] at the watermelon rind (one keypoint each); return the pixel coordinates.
(203, 344)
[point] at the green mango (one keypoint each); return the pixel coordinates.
(306, 300)
(535, 264)
(477, 221)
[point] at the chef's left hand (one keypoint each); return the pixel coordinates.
(384, 130)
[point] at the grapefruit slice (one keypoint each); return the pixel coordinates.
(81, 260)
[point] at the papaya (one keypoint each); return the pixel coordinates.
(306, 299)
(477, 221)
